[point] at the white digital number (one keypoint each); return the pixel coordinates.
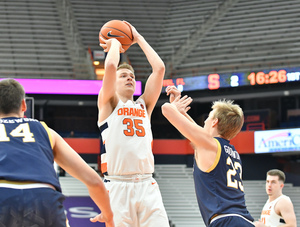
(234, 81)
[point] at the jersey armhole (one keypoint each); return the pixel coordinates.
(48, 132)
(217, 159)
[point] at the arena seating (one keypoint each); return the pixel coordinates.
(251, 35)
(32, 41)
(183, 18)
(177, 189)
(147, 17)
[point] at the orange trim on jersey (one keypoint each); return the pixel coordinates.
(104, 167)
(49, 133)
(217, 158)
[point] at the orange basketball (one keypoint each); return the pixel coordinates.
(119, 30)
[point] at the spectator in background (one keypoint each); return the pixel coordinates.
(72, 134)
(279, 209)
(30, 192)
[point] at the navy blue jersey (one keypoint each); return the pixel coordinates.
(26, 151)
(220, 189)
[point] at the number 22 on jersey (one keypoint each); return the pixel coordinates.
(22, 130)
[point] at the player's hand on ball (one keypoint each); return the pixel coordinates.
(107, 44)
(135, 33)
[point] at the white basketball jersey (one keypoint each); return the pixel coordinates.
(126, 140)
(268, 214)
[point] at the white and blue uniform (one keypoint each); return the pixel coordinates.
(127, 163)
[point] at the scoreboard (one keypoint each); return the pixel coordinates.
(216, 81)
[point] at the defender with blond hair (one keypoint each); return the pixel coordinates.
(217, 165)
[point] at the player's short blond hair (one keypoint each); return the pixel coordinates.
(230, 118)
(125, 66)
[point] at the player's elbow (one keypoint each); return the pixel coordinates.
(161, 68)
(166, 109)
(110, 65)
(94, 182)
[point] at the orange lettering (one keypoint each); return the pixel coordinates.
(213, 81)
(132, 112)
(135, 112)
(120, 111)
(266, 212)
(126, 111)
(180, 81)
(168, 82)
(142, 113)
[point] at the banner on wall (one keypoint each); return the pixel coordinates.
(79, 210)
(66, 87)
(275, 141)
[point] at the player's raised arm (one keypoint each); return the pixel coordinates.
(155, 80)
(107, 94)
(195, 133)
(173, 92)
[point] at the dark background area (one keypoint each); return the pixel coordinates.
(66, 113)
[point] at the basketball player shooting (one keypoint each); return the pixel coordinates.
(127, 161)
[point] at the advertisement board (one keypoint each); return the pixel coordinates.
(66, 87)
(79, 210)
(282, 140)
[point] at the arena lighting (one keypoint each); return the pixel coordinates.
(66, 87)
(100, 73)
(216, 81)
